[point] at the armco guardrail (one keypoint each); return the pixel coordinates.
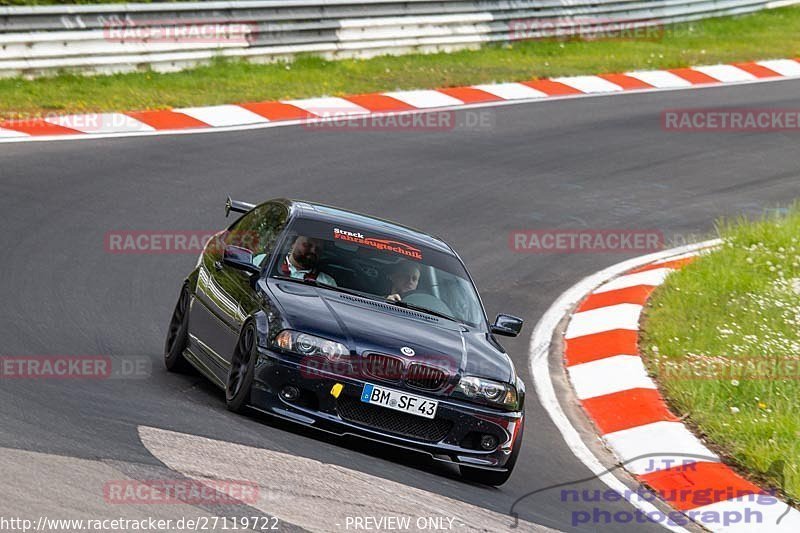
(172, 36)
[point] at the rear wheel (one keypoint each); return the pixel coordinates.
(178, 335)
(240, 376)
(492, 477)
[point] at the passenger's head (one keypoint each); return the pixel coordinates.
(404, 277)
(306, 251)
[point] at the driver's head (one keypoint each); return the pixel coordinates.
(305, 251)
(404, 277)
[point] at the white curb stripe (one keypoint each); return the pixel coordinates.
(11, 133)
(620, 316)
(590, 84)
(784, 67)
(424, 99)
(222, 115)
(657, 446)
(661, 79)
(331, 106)
(743, 516)
(653, 277)
(100, 123)
(609, 375)
(725, 73)
(511, 91)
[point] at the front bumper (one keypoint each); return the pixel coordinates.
(452, 436)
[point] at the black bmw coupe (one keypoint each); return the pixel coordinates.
(352, 325)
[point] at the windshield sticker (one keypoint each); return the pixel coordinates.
(397, 247)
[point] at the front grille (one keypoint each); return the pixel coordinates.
(384, 367)
(404, 424)
(425, 377)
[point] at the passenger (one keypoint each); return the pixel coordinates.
(404, 278)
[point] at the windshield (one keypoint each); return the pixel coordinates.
(379, 266)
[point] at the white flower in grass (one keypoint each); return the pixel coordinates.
(795, 285)
(735, 382)
(734, 410)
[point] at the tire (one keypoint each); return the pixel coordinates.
(178, 335)
(493, 477)
(242, 371)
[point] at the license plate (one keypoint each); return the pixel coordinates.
(399, 401)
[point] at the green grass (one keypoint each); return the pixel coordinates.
(767, 34)
(709, 329)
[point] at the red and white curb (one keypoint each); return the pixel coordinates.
(291, 112)
(606, 371)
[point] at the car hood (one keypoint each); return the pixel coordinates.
(365, 325)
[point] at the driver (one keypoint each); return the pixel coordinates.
(404, 278)
(302, 260)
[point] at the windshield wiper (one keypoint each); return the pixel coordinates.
(407, 305)
(316, 283)
(366, 296)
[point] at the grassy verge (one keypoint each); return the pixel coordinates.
(723, 338)
(767, 34)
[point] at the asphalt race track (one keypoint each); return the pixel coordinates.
(587, 163)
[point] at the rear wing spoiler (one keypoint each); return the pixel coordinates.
(236, 206)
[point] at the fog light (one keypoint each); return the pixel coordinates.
(488, 442)
(290, 393)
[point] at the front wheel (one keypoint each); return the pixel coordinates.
(241, 373)
(178, 335)
(491, 477)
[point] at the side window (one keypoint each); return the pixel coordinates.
(259, 229)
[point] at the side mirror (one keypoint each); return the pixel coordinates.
(240, 259)
(507, 325)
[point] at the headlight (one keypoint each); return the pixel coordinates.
(488, 391)
(309, 345)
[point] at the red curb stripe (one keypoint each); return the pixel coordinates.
(693, 76)
(600, 345)
(626, 82)
(695, 485)
(380, 103)
(168, 120)
(277, 111)
(677, 264)
(627, 409)
(37, 127)
(629, 295)
(759, 71)
(552, 88)
(470, 95)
